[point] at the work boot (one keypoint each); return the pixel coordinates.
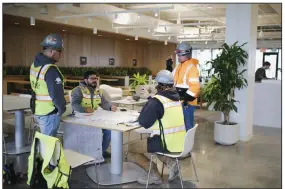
(153, 179)
(172, 169)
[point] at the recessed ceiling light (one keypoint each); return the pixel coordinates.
(17, 23)
(63, 30)
(127, 39)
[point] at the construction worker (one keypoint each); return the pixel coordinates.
(86, 98)
(186, 81)
(48, 86)
(163, 116)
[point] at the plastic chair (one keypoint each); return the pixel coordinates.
(187, 149)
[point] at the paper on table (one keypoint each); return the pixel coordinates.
(77, 114)
(130, 124)
(103, 116)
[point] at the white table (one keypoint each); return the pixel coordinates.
(17, 105)
(132, 102)
(115, 172)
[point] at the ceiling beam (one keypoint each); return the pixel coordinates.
(115, 12)
(140, 6)
(277, 8)
(270, 20)
(197, 18)
(209, 15)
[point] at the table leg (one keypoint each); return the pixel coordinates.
(117, 152)
(117, 172)
(19, 146)
(19, 128)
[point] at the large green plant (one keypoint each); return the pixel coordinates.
(225, 79)
(138, 80)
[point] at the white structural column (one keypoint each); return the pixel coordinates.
(241, 26)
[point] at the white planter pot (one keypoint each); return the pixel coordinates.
(226, 134)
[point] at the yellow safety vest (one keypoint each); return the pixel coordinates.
(59, 176)
(173, 124)
(87, 100)
(44, 104)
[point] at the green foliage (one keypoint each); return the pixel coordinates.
(226, 78)
(79, 71)
(138, 80)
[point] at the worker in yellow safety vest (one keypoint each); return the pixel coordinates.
(186, 81)
(48, 102)
(162, 115)
(86, 98)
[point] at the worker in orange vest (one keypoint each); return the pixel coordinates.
(186, 81)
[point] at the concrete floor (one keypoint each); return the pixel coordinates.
(252, 164)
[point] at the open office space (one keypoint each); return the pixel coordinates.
(96, 71)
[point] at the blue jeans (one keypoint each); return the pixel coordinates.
(188, 112)
(49, 124)
(106, 140)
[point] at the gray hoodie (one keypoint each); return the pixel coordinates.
(77, 96)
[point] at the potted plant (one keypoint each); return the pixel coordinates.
(219, 92)
(136, 81)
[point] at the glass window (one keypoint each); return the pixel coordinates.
(216, 52)
(258, 59)
(203, 55)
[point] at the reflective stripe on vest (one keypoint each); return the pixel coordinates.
(184, 84)
(34, 71)
(89, 96)
(43, 98)
(173, 124)
(44, 104)
(170, 130)
(86, 101)
(59, 177)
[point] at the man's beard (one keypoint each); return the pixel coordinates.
(90, 85)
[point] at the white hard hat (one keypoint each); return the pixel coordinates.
(164, 77)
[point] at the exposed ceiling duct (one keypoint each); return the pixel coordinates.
(139, 19)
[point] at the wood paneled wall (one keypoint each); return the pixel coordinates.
(22, 44)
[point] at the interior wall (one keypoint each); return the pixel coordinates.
(22, 44)
(157, 55)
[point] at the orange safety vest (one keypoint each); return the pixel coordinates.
(186, 76)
